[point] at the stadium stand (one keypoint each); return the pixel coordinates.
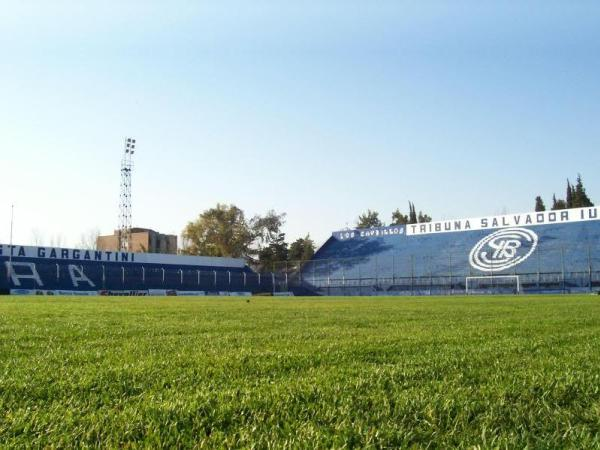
(532, 252)
(548, 252)
(46, 270)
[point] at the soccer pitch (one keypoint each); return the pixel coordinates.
(292, 372)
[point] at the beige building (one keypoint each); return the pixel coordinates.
(143, 240)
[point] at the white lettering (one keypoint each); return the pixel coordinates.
(16, 278)
(506, 221)
(77, 276)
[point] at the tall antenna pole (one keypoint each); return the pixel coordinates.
(12, 220)
(125, 198)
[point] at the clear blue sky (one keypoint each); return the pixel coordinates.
(320, 109)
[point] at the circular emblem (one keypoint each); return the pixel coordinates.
(503, 249)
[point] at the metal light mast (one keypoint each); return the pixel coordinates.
(125, 198)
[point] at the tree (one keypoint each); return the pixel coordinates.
(580, 197)
(219, 231)
(276, 251)
(412, 215)
(370, 219)
(89, 239)
(558, 204)
(398, 218)
(225, 231)
(57, 240)
(576, 197)
(424, 218)
(539, 204)
(37, 237)
(266, 229)
(570, 192)
(302, 249)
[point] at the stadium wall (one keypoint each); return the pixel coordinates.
(48, 270)
(553, 251)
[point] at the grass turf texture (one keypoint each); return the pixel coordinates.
(320, 372)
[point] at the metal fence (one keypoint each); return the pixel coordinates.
(95, 276)
(549, 269)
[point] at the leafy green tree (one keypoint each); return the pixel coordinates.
(424, 218)
(225, 231)
(398, 218)
(275, 252)
(302, 249)
(370, 219)
(219, 231)
(266, 229)
(539, 204)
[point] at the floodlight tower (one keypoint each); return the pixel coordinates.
(125, 198)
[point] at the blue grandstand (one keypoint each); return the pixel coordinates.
(46, 270)
(556, 251)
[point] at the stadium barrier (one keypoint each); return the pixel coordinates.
(550, 270)
(127, 293)
(537, 252)
(547, 251)
(51, 270)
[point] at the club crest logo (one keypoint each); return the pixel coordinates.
(503, 249)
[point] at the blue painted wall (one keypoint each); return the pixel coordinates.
(566, 258)
(56, 275)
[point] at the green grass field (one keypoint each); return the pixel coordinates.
(290, 372)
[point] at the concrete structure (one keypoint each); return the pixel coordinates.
(535, 252)
(143, 240)
(65, 271)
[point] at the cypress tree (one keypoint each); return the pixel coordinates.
(539, 204)
(412, 214)
(570, 198)
(558, 204)
(580, 197)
